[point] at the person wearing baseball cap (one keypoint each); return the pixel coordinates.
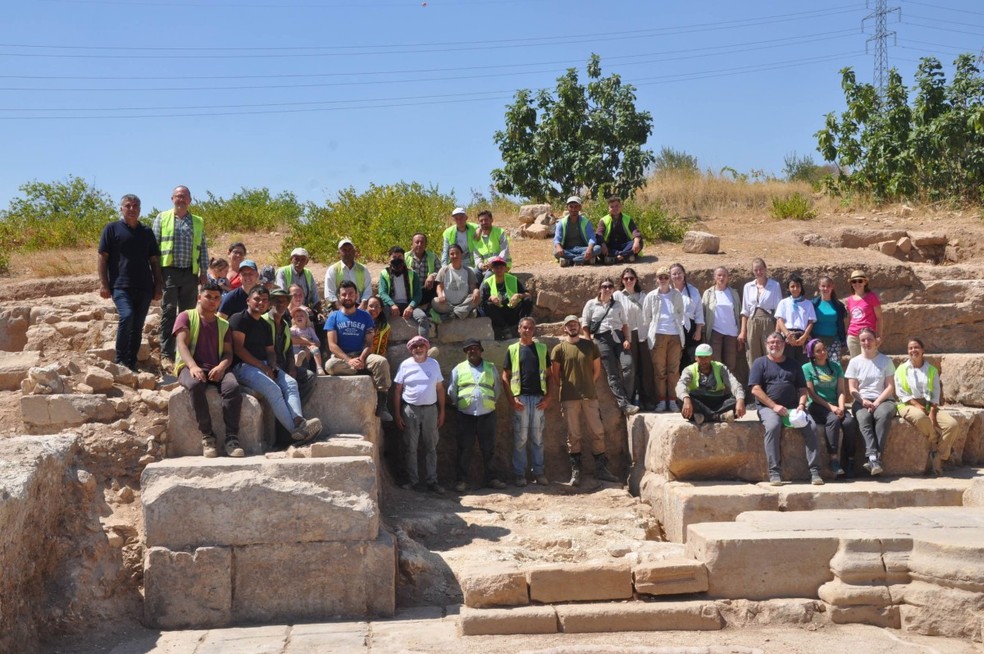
(504, 300)
(461, 232)
(347, 270)
(574, 237)
(296, 272)
(418, 411)
(709, 391)
(576, 363)
(475, 387)
(234, 301)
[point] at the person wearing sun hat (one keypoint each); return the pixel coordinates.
(418, 411)
(709, 391)
(864, 310)
(504, 300)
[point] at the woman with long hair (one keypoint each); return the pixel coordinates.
(864, 310)
(794, 319)
(603, 321)
(380, 339)
(828, 403)
(638, 374)
(918, 384)
(722, 319)
(831, 324)
(237, 254)
(871, 382)
(693, 312)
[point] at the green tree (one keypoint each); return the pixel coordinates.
(577, 139)
(55, 214)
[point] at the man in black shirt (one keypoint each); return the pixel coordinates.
(256, 367)
(779, 385)
(234, 301)
(130, 273)
(528, 382)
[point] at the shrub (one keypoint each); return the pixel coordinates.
(674, 161)
(655, 223)
(375, 220)
(57, 214)
(250, 210)
(796, 206)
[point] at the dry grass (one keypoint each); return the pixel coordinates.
(62, 262)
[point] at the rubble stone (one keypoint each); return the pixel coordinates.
(701, 243)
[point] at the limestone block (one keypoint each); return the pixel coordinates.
(904, 245)
(974, 495)
(186, 439)
(342, 447)
(839, 594)
(192, 502)
(157, 400)
(188, 589)
(458, 331)
(529, 212)
(538, 230)
(887, 248)
(315, 581)
(494, 586)
(670, 577)
(496, 622)
(14, 323)
(863, 562)
(99, 379)
(639, 616)
(589, 581)
(14, 367)
(934, 611)
(859, 237)
(345, 405)
(701, 243)
(923, 239)
(745, 613)
(546, 218)
(104, 353)
(51, 413)
(962, 375)
(43, 380)
(146, 380)
(878, 616)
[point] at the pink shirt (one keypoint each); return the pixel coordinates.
(862, 312)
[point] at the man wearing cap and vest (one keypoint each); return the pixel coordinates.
(297, 273)
(490, 242)
(184, 263)
(620, 239)
(574, 238)
(709, 391)
(528, 382)
(475, 387)
(347, 270)
(504, 300)
(461, 232)
(204, 356)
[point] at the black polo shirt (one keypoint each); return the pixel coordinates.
(129, 250)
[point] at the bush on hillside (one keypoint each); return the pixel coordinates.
(250, 210)
(58, 214)
(796, 206)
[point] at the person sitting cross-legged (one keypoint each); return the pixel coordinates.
(400, 291)
(709, 391)
(504, 300)
(457, 289)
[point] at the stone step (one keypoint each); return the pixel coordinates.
(679, 504)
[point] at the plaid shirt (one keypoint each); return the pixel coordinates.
(183, 237)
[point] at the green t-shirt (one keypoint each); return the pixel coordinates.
(825, 379)
(576, 369)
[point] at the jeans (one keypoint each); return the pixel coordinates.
(180, 293)
(232, 401)
(773, 433)
(624, 250)
(282, 395)
(528, 429)
(611, 351)
(471, 428)
(874, 426)
(131, 306)
(420, 426)
(637, 372)
(576, 253)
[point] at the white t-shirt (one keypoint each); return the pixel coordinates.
(724, 314)
(871, 374)
(693, 310)
(665, 324)
(796, 315)
(419, 381)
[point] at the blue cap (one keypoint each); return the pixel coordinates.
(248, 263)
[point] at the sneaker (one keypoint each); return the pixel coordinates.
(308, 430)
(816, 479)
(836, 469)
(698, 419)
(541, 480)
(460, 487)
(496, 484)
(867, 465)
(728, 416)
(630, 409)
(208, 447)
(630, 259)
(663, 406)
(564, 262)
(519, 482)
(576, 477)
(232, 447)
(775, 480)
(435, 488)
(876, 468)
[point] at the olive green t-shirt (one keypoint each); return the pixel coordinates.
(576, 369)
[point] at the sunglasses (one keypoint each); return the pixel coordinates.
(608, 286)
(663, 277)
(629, 278)
(858, 281)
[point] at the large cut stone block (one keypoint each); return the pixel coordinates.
(580, 582)
(458, 331)
(669, 577)
(315, 581)
(498, 622)
(198, 502)
(46, 414)
(188, 589)
(14, 367)
(494, 586)
(186, 440)
(639, 616)
(345, 405)
(962, 376)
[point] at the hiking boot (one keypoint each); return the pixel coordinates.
(775, 480)
(630, 409)
(876, 468)
(541, 480)
(460, 487)
(519, 482)
(601, 469)
(698, 418)
(836, 469)
(575, 470)
(306, 431)
(815, 478)
(496, 484)
(232, 447)
(436, 488)
(208, 447)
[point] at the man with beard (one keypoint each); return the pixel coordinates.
(400, 291)
(279, 321)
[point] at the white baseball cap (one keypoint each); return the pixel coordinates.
(343, 242)
(300, 252)
(574, 198)
(459, 210)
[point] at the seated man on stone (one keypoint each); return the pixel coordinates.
(350, 340)
(779, 385)
(296, 272)
(425, 263)
(620, 239)
(348, 269)
(490, 242)
(504, 300)
(457, 289)
(400, 291)
(234, 301)
(574, 237)
(256, 367)
(203, 349)
(709, 391)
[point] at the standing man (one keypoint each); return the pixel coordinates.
(620, 239)
(400, 291)
(184, 264)
(779, 385)
(577, 364)
(574, 237)
(350, 335)
(528, 381)
(130, 273)
(347, 270)
(418, 404)
(204, 356)
(475, 386)
(490, 242)
(504, 300)
(461, 232)
(709, 391)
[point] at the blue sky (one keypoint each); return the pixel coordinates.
(311, 96)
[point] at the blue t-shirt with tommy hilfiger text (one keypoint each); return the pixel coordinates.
(351, 329)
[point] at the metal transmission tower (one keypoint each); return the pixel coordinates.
(880, 39)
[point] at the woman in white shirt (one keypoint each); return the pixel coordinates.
(871, 382)
(662, 311)
(795, 316)
(603, 320)
(638, 375)
(759, 300)
(918, 384)
(722, 319)
(693, 313)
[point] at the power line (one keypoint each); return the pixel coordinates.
(938, 7)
